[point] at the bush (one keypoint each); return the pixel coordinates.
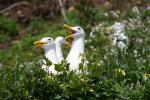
(36, 26)
(147, 92)
(3, 37)
(8, 26)
(105, 80)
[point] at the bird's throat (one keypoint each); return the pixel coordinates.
(51, 55)
(76, 49)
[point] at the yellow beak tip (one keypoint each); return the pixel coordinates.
(34, 43)
(64, 25)
(39, 43)
(67, 26)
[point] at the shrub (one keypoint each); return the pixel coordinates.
(36, 26)
(8, 26)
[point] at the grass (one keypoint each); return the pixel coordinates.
(26, 43)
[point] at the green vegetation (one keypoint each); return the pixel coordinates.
(112, 73)
(7, 28)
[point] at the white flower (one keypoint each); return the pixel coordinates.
(135, 53)
(95, 29)
(92, 47)
(115, 14)
(136, 10)
(119, 36)
(120, 71)
(105, 14)
(121, 45)
(92, 34)
(146, 76)
(118, 27)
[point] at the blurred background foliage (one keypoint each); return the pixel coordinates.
(24, 21)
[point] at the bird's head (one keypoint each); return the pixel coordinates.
(74, 33)
(61, 40)
(45, 43)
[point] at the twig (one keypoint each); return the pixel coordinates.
(14, 5)
(62, 10)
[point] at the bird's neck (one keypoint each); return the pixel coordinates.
(59, 52)
(50, 54)
(76, 49)
(78, 45)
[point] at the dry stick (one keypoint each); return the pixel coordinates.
(62, 10)
(14, 5)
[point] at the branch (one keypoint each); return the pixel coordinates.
(13, 5)
(62, 10)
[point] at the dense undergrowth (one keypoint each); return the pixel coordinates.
(113, 73)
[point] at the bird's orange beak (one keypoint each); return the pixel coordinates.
(69, 38)
(69, 28)
(39, 43)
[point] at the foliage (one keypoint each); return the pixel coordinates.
(8, 26)
(147, 94)
(108, 80)
(36, 26)
(3, 38)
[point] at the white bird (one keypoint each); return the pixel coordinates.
(77, 38)
(58, 42)
(48, 44)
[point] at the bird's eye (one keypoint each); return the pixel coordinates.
(49, 39)
(79, 28)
